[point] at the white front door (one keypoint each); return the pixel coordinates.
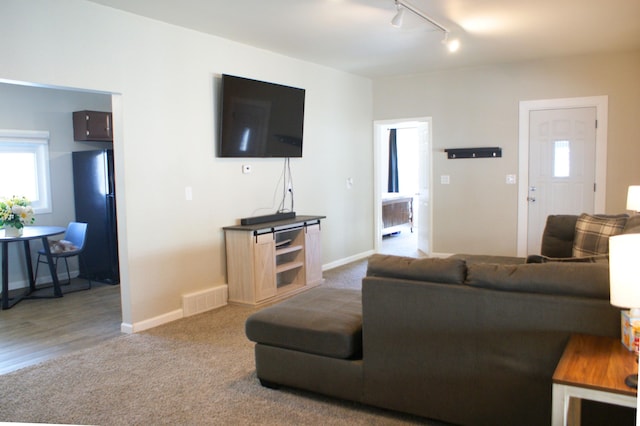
(562, 161)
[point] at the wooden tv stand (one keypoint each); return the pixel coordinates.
(270, 261)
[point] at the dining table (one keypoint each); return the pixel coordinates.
(29, 233)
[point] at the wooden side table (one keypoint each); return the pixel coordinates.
(594, 368)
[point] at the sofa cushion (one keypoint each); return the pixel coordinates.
(562, 278)
(449, 271)
(593, 232)
(321, 321)
(558, 235)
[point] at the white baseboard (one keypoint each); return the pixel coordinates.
(212, 298)
(346, 260)
(216, 297)
(192, 303)
(151, 322)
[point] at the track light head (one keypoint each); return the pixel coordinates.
(398, 18)
(452, 45)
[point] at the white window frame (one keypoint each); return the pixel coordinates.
(37, 142)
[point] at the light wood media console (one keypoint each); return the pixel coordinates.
(270, 261)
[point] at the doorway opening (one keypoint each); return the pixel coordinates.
(97, 313)
(402, 210)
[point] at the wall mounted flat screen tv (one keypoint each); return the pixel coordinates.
(260, 119)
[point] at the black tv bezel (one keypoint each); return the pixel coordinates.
(224, 107)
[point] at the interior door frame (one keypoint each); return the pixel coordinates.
(601, 103)
(379, 126)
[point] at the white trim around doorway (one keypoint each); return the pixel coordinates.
(601, 103)
(379, 126)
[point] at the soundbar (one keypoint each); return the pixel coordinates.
(267, 218)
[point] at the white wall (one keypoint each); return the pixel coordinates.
(166, 79)
(474, 107)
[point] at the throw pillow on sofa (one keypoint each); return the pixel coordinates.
(593, 232)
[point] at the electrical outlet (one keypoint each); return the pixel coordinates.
(444, 179)
(511, 179)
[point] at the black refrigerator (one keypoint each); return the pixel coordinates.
(94, 193)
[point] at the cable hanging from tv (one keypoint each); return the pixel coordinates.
(282, 213)
(287, 187)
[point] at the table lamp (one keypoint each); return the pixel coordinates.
(633, 198)
(624, 279)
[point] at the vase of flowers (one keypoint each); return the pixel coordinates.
(15, 213)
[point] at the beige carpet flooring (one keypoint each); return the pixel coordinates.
(195, 371)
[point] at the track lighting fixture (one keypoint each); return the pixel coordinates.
(401, 5)
(397, 20)
(453, 44)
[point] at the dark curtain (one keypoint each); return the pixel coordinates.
(392, 185)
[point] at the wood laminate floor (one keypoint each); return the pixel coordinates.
(35, 330)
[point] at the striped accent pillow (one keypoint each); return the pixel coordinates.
(593, 232)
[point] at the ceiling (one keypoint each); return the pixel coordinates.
(356, 35)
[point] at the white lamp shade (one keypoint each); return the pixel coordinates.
(624, 270)
(633, 198)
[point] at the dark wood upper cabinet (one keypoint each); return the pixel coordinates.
(92, 126)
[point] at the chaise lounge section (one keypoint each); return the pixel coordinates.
(312, 341)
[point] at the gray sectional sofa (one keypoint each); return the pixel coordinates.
(470, 340)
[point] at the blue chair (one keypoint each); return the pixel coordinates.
(76, 234)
